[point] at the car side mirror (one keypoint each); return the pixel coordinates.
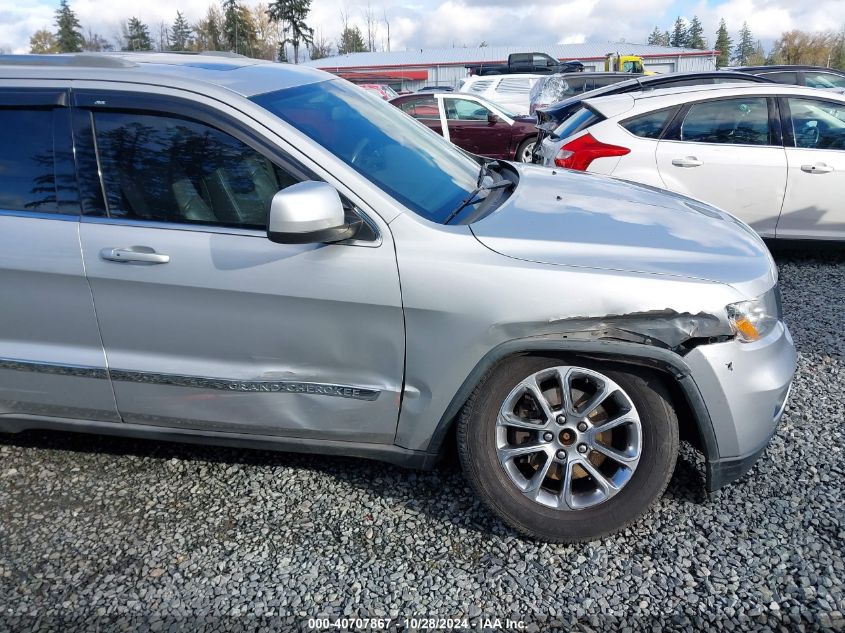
(492, 118)
(307, 213)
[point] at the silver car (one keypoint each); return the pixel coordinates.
(220, 250)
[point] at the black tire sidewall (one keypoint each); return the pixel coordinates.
(521, 148)
(477, 447)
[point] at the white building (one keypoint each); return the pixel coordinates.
(411, 69)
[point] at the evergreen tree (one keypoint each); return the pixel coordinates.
(695, 34)
(656, 37)
(745, 46)
(238, 29)
(679, 33)
(292, 15)
(180, 33)
(137, 36)
(723, 45)
(351, 41)
(68, 36)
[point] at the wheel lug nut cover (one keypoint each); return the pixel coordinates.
(560, 419)
(582, 448)
(561, 454)
(548, 436)
(582, 426)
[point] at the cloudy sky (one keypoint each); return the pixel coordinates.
(447, 23)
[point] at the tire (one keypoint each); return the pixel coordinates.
(523, 152)
(479, 439)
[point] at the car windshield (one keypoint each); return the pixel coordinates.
(416, 166)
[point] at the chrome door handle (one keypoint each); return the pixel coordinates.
(687, 161)
(134, 254)
(818, 168)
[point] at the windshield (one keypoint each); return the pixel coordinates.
(633, 67)
(416, 166)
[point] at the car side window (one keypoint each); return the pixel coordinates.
(821, 79)
(169, 169)
(742, 121)
(465, 110)
(817, 124)
(30, 178)
(422, 108)
(650, 124)
(786, 77)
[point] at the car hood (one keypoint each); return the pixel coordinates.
(570, 218)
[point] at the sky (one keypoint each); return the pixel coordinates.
(451, 23)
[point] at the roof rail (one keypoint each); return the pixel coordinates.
(91, 60)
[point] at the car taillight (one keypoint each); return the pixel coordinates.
(579, 153)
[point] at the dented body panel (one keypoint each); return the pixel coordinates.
(372, 349)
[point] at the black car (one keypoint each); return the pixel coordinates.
(550, 117)
(810, 76)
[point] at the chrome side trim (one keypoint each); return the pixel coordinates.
(247, 386)
(175, 226)
(84, 371)
(39, 215)
(196, 382)
(216, 229)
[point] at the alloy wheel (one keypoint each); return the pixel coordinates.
(568, 437)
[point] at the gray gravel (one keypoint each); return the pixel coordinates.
(117, 534)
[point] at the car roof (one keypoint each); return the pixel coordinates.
(646, 81)
(614, 105)
(235, 73)
(477, 78)
(786, 67)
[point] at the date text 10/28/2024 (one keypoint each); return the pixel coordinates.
(422, 623)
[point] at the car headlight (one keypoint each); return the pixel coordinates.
(751, 320)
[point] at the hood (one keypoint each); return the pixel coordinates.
(570, 218)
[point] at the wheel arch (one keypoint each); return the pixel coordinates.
(686, 396)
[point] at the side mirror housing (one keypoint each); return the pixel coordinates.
(306, 213)
(492, 118)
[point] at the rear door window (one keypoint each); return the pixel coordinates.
(36, 169)
(742, 121)
(821, 79)
(650, 124)
(580, 120)
(421, 108)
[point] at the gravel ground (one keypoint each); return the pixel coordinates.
(115, 534)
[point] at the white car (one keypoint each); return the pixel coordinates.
(772, 155)
(512, 92)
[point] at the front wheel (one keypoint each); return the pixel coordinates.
(525, 151)
(568, 452)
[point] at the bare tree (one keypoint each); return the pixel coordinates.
(387, 25)
(371, 23)
(268, 33)
(321, 47)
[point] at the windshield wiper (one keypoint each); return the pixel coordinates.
(472, 197)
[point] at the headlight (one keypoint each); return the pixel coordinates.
(752, 320)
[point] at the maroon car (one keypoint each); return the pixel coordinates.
(473, 123)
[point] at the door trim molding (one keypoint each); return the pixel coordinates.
(354, 392)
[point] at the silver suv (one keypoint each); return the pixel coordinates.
(215, 249)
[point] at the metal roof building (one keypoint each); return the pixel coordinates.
(411, 69)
